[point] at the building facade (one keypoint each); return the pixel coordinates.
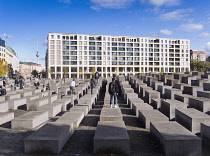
(9, 55)
(78, 55)
(27, 67)
(198, 55)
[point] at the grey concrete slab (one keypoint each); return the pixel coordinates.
(2, 98)
(52, 109)
(15, 103)
(191, 119)
(180, 86)
(168, 107)
(205, 94)
(29, 120)
(138, 106)
(155, 84)
(6, 117)
(150, 94)
(161, 89)
(50, 138)
(205, 133)
(111, 114)
(192, 90)
(169, 93)
(200, 103)
(111, 137)
(155, 103)
(80, 108)
(183, 98)
(4, 106)
(69, 117)
(147, 116)
(175, 139)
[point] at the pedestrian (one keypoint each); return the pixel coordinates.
(97, 76)
(21, 84)
(113, 90)
(72, 86)
(48, 86)
(4, 83)
(3, 90)
(92, 84)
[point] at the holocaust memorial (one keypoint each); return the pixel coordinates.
(154, 114)
(108, 95)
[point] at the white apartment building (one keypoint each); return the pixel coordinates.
(9, 55)
(79, 55)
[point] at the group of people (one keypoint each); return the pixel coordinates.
(19, 83)
(113, 88)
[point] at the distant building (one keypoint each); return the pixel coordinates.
(198, 55)
(27, 67)
(9, 55)
(208, 58)
(79, 55)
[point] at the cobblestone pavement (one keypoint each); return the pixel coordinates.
(81, 142)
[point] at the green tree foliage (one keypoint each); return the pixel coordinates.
(200, 66)
(3, 68)
(34, 73)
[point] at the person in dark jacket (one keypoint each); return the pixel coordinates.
(97, 75)
(113, 90)
(92, 85)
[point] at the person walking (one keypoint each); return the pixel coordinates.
(72, 86)
(92, 84)
(113, 90)
(97, 76)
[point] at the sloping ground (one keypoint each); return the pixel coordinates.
(81, 142)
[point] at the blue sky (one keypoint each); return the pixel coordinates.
(26, 21)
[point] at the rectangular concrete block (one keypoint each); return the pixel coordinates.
(111, 114)
(183, 98)
(155, 103)
(168, 107)
(52, 109)
(80, 108)
(150, 94)
(50, 138)
(34, 104)
(169, 93)
(200, 103)
(6, 117)
(138, 106)
(175, 139)
(205, 133)
(147, 116)
(191, 119)
(111, 137)
(70, 117)
(4, 106)
(12, 96)
(29, 120)
(192, 90)
(15, 103)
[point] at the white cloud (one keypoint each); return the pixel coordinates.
(167, 3)
(65, 1)
(207, 47)
(204, 35)
(113, 4)
(175, 15)
(165, 32)
(191, 27)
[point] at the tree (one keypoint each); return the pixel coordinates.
(3, 68)
(200, 66)
(34, 73)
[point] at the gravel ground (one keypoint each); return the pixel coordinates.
(81, 142)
